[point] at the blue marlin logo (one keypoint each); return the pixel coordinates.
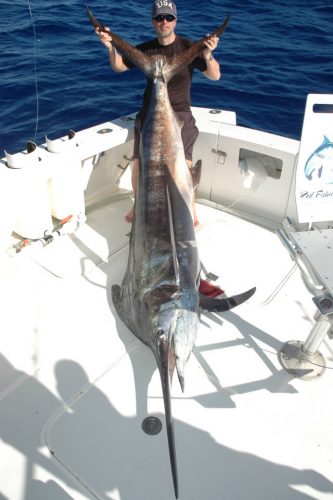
(320, 163)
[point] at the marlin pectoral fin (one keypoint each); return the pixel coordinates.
(224, 304)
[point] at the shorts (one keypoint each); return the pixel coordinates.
(189, 133)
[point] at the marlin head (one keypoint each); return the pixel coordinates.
(185, 335)
(175, 320)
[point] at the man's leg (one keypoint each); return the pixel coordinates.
(135, 170)
(190, 134)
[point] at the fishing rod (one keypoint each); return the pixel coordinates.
(35, 69)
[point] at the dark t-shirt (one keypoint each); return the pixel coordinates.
(179, 86)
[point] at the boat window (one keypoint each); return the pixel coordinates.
(271, 165)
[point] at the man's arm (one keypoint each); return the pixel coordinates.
(115, 58)
(213, 68)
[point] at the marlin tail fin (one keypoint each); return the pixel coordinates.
(143, 62)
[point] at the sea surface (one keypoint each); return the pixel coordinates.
(55, 76)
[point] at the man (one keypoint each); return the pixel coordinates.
(164, 19)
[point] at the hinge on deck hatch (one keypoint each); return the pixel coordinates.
(221, 155)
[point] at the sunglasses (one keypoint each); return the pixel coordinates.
(167, 17)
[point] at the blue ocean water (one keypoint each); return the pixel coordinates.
(55, 74)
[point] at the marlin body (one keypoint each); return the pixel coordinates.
(159, 299)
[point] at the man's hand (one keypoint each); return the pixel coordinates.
(211, 45)
(105, 38)
(115, 58)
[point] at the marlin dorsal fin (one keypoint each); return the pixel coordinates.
(173, 241)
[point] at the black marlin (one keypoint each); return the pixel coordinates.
(159, 299)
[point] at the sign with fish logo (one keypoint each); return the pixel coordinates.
(314, 178)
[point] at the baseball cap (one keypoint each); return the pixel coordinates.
(164, 7)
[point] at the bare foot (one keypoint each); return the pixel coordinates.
(129, 216)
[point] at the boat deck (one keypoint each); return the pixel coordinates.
(75, 384)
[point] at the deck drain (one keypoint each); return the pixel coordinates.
(151, 425)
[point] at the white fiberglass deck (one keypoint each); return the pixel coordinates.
(75, 384)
